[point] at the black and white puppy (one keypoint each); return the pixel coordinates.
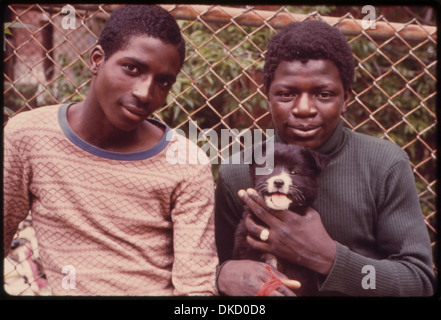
(292, 184)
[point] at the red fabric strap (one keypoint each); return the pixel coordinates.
(270, 285)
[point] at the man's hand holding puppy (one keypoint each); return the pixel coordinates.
(301, 240)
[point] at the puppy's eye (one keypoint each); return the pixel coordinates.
(293, 172)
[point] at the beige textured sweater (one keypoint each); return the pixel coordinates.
(109, 223)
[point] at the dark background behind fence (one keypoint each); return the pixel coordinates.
(220, 87)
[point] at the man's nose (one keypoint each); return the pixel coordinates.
(144, 89)
(304, 106)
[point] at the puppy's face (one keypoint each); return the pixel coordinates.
(278, 189)
(293, 182)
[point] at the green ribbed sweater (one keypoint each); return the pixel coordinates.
(368, 204)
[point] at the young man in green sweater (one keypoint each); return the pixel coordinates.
(366, 233)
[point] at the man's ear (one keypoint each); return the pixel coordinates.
(96, 59)
(347, 97)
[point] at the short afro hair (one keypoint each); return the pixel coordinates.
(310, 39)
(138, 20)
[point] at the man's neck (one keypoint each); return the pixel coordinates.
(83, 121)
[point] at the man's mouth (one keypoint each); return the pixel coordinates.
(305, 132)
(137, 111)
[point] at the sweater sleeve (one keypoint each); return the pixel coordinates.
(16, 174)
(402, 238)
(228, 207)
(195, 259)
(225, 221)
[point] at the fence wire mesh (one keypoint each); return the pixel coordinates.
(220, 87)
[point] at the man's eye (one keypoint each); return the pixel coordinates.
(131, 68)
(324, 95)
(165, 83)
(286, 94)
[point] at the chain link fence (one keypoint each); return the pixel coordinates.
(220, 87)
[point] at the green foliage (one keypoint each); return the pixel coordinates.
(74, 85)
(18, 98)
(400, 101)
(7, 29)
(14, 100)
(218, 75)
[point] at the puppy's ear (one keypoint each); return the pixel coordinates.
(320, 160)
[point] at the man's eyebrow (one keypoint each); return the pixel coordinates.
(137, 61)
(324, 86)
(318, 87)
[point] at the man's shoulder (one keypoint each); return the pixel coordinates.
(235, 172)
(35, 117)
(374, 147)
(29, 132)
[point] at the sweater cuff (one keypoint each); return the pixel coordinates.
(342, 277)
(219, 267)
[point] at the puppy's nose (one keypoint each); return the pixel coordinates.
(279, 183)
